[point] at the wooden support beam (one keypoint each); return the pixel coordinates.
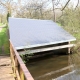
(69, 48)
(49, 48)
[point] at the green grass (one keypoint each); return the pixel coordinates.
(59, 24)
(76, 33)
(1, 24)
(4, 42)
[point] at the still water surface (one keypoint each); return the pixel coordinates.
(43, 68)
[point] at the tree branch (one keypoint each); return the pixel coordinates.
(77, 4)
(58, 1)
(65, 5)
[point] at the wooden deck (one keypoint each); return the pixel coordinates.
(6, 72)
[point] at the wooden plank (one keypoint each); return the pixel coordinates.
(17, 73)
(49, 48)
(21, 74)
(23, 68)
(69, 48)
(6, 72)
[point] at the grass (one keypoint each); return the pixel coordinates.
(76, 33)
(1, 24)
(4, 42)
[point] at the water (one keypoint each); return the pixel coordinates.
(46, 68)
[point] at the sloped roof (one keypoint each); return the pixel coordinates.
(33, 33)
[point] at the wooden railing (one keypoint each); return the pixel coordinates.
(19, 69)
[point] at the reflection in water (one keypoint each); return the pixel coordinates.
(48, 65)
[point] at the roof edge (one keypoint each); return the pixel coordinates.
(45, 44)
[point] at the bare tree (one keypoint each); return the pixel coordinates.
(53, 10)
(32, 10)
(54, 4)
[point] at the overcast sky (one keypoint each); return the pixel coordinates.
(63, 2)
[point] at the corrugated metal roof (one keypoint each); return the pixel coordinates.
(33, 33)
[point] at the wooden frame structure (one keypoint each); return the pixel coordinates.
(25, 33)
(44, 36)
(63, 47)
(19, 69)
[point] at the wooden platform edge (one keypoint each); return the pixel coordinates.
(50, 48)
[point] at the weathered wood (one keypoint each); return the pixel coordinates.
(68, 48)
(21, 74)
(20, 70)
(17, 74)
(49, 48)
(6, 72)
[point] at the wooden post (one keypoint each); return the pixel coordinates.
(69, 58)
(69, 48)
(21, 74)
(16, 65)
